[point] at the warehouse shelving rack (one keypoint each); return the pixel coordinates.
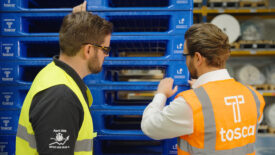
(204, 12)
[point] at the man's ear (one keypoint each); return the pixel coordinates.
(86, 51)
(198, 58)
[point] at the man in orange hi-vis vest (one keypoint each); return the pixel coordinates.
(218, 116)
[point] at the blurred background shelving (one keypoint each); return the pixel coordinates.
(252, 58)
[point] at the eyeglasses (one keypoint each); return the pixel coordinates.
(187, 54)
(106, 50)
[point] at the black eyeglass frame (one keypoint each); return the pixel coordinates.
(187, 54)
(106, 50)
(192, 54)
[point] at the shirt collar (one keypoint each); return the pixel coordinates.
(217, 75)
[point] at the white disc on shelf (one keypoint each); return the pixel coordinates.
(270, 74)
(269, 114)
(229, 25)
(249, 74)
(271, 78)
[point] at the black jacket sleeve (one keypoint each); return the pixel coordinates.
(56, 115)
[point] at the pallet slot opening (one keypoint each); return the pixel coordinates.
(135, 74)
(22, 95)
(129, 98)
(140, 147)
(42, 4)
(41, 24)
(136, 48)
(122, 122)
(142, 23)
(28, 73)
(138, 3)
(42, 49)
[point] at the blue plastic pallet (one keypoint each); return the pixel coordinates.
(12, 97)
(133, 145)
(145, 5)
(125, 97)
(9, 121)
(38, 5)
(94, 5)
(123, 48)
(119, 73)
(110, 97)
(7, 144)
(20, 72)
(125, 23)
(24, 72)
(28, 48)
(117, 122)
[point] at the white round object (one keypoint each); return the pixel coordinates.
(270, 115)
(250, 31)
(229, 25)
(249, 74)
(271, 76)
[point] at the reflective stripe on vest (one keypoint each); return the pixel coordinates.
(82, 145)
(258, 105)
(210, 129)
(257, 102)
(23, 133)
(249, 148)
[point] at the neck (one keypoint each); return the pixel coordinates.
(76, 63)
(207, 69)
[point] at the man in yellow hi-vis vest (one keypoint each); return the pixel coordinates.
(55, 117)
(218, 116)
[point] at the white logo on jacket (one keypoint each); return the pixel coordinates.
(59, 140)
(240, 132)
(235, 101)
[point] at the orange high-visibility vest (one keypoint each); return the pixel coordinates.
(225, 119)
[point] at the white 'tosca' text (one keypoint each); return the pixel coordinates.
(237, 133)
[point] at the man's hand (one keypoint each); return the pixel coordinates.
(166, 87)
(192, 81)
(80, 7)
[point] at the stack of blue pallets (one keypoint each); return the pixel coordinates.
(147, 45)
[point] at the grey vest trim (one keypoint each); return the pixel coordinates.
(84, 145)
(257, 102)
(249, 148)
(209, 119)
(23, 134)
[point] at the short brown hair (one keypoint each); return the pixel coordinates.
(82, 27)
(210, 42)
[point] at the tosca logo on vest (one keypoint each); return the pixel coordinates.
(235, 102)
(237, 133)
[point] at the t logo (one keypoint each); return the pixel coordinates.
(235, 101)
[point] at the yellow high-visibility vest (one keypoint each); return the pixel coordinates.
(48, 77)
